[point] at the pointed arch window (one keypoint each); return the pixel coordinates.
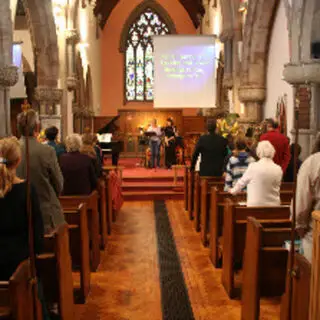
(139, 67)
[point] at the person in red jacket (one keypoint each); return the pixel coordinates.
(279, 142)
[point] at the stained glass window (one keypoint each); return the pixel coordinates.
(139, 55)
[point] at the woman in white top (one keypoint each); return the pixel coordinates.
(155, 142)
(262, 178)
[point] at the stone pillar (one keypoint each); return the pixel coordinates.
(252, 97)
(306, 74)
(8, 73)
(49, 99)
(72, 38)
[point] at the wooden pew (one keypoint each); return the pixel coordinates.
(301, 290)
(191, 177)
(205, 188)
(16, 297)
(199, 195)
(185, 187)
(55, 272)
(216, 206)
(234, 232)
(79, 246)
(265, 265)
(71, 202)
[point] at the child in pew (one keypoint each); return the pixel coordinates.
(262, 178)
(237, 164)
(14, 228)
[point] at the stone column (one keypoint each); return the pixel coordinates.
(72, 39)
(49, 99)
(252, 97)
(306, 74)
(8, 73)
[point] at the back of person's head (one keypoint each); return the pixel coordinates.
(265, 150)
(212, 126)
(88, 139)
(51, 133)
(27, 122)
(73, 143)
(10, 156)
(293, 149)
(241, 143)
(271, 124)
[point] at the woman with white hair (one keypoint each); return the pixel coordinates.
(77, 169)
(262, 179)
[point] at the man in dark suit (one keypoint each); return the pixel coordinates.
(213, 150)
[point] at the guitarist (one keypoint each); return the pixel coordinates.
(170, 144)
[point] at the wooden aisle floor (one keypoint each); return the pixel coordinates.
(127, 286)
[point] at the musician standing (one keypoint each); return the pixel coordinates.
(155, 142)
(170, 149)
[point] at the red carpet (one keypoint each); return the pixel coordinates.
(139, 183)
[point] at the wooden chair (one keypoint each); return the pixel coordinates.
(16, 297)
(300, 290)
(55, 272)
(91, 201)
(234, 232)
(79, 246)
(205, 188)
(265, 265)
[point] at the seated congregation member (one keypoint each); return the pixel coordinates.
(289, 175)
(237, 164)
(51, 136)
(213, 150)
(78, 170)
(87, 148)
(279, 142)
(14, 217)
(262, 179)
(308, 198)
(45, 173)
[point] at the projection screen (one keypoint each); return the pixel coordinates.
(184, 71)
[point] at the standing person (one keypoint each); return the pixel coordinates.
(14, 227)
(289, 175)
(45, 173)
(51, 134)
(263, 179)
(170, 148)
(279, 142)
(213, 150)
(237, 164)
(308, 198)
(155, 142)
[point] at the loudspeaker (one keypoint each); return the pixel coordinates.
(315, 50)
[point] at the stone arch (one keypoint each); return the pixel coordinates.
(44, 38)
(155, 6)
(257, 32)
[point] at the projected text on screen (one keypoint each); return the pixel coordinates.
(181, 66)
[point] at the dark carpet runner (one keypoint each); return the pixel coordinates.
(174, 294)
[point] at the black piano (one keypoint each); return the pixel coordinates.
(108, 141)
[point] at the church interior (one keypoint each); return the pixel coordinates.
(157, 238)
